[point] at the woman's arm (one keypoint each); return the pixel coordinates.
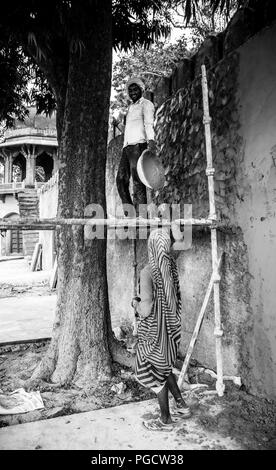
(146, 293)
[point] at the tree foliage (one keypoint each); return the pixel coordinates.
(32, 31)
(159, 59)
(22, 84)
(15, 76)
(192, 9)
(205, 21)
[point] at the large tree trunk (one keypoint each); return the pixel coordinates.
(79, 350)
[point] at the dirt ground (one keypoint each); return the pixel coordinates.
(17, 364)
(8, 290)
(248, 419)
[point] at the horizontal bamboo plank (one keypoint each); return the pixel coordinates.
(51, 224)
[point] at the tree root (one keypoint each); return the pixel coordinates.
(40, 384)
(121, 355)
(46, 367)
(41, 376)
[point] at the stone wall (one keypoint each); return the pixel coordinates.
(119, 252)
(243, 109)
(181, 142)
(48, 200)
(180, 136)
(194, 267)
(244, 25)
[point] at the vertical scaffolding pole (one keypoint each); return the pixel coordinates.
(218, 332)
(134, 264)
(210, 171)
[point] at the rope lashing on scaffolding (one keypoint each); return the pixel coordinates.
(218, 332)
(210, 171)
(216, 277)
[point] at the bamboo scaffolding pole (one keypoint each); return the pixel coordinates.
(51, 224)
(218, 331)
(197, 329)
(210, 171)
(4, 227)
(134, 264)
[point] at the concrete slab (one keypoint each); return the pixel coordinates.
(26, 318)
(11, 257)
(108, 429)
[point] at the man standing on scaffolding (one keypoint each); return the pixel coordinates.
(139, 135)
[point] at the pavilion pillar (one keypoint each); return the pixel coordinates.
(30, 171)
(56, 161)
(30, 155)
(7, 167)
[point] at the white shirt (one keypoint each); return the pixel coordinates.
(139, 122)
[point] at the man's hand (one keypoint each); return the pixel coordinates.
(152, 146)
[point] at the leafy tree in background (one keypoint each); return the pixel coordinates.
(160, 59)
(27, 84)
(65, 47)
(151, 64)
(15, 76)
(205, 21)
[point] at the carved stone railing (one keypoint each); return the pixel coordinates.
(9, 188)
(30, 131)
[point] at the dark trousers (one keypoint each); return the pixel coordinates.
(128, 168)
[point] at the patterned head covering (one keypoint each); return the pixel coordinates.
(162, 265)
(159, 245)
(137, 81)
(159, 334)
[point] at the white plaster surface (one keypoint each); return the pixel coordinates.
(256, 211)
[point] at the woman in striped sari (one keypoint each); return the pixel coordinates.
(159, 329)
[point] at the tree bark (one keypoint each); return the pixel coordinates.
(79, 350)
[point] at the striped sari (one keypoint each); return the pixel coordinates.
(159, 333)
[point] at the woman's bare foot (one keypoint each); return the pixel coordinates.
(181, 409)
(157, 424)
(166, 419)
